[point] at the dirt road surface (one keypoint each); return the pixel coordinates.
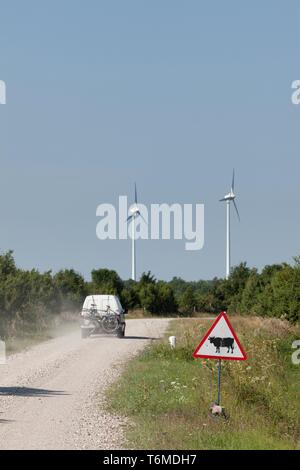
(51, 396)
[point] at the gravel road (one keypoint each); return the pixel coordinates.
(51, 396)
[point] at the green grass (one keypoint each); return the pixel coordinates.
(166, 393)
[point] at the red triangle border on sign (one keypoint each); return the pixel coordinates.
(226, 358)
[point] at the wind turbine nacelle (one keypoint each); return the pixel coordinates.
(229, 197)
(134, 210)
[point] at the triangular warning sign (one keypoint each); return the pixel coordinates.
(221, 342)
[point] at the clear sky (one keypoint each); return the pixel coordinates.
(171, 94)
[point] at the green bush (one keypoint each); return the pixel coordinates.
(30, 298)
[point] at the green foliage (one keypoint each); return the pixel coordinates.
(106, 281)
(148, 297)
(187, 300)
(7, 264)
(274, 292)
(249, 295)
(286, 293)
(29, 299)
(72, 288)
(130, 297)
(155, 297)
(166, 297)
(147, 279)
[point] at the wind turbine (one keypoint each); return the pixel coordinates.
(230, 197)
(135, 212)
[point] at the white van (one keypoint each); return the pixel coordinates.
(102, 314)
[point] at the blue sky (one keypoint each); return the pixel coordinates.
(170, 94)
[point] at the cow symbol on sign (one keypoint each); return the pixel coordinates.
(222, 343)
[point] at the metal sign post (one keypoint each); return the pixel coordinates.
(219, 382)
(220, 343)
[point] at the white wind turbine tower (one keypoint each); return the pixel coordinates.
(228, 199)
(135, 212)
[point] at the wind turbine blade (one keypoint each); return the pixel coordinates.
(135, 193)
(129, 218)
(233, 177)
(222, 200)
(234, 203)
(142, 217)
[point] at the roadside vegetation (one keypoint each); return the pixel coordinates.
(166, 393)
(32, 302)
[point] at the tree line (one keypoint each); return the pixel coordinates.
(30, 299)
